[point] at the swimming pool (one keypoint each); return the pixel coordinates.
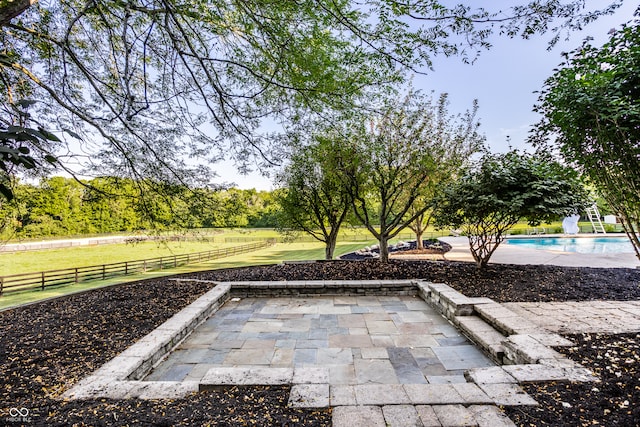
(583, 245)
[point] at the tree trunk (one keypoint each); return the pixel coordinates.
(419, 243)
(482, 248)
(629, 229)
(384, 249)
(330, 247)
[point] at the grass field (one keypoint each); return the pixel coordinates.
(81, 256)
(273, 255)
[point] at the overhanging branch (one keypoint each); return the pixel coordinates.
(9, 9)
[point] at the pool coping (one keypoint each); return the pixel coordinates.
(524, 353)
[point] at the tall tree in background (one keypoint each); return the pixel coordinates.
(314, 199)
(397, 158)
(591, 106)
(147, 83)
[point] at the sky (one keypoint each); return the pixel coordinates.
(503, 80)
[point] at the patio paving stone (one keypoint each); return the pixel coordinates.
(395, 340)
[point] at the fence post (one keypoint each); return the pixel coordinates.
(43, 280)
(104, 276)
(76, 275)
(160, 263)
(126, 268)
(175, 262)
(1, 284)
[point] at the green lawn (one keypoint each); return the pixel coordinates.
(272, 255)
(82, 256)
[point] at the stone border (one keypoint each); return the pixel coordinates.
(117, 379)
(524, 352)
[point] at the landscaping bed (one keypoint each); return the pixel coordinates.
(45, 348)
(429, 247)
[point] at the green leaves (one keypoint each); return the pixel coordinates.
(503, 189)
(14, 153)
(315, 199)
(591, 107)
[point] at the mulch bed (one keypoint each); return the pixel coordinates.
(611, 402)
(47, 347)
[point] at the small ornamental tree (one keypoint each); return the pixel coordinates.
(314, 199)
(502, 190)
(591, 109)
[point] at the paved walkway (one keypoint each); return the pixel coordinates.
(614, 317)
(362, 340)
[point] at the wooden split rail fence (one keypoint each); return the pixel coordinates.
(44, 279)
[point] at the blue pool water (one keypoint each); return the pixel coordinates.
(583, 245)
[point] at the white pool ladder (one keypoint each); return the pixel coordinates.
(594, 218)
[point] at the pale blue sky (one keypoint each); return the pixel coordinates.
(503, 80)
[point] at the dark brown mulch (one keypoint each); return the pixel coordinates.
(611, 402)
(503, 283)
(47, 347)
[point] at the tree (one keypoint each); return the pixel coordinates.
(110, 205)
(591, 106)
(143, 81)
(265, 210)
(400, 156)
(52, 208)
(502, 190)
(421, 218)
(315, 199)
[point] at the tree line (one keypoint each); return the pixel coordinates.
(59, 206)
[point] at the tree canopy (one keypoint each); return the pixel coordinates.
(394, 159)
(591, 109)
(314, 199)
(148, 83)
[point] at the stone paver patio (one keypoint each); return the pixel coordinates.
(377, 352)
(361, 340)
(573, 317)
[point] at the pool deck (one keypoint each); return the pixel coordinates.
(512, 254)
